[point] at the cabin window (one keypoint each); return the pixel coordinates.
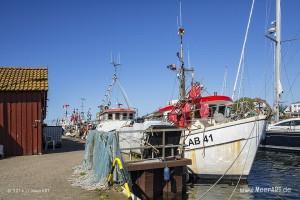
(117, 116)
(130, 115)
(105, 117)
(212, 110)
(124, 116)
(222, 109)
(297, 123)
(109, 116)
(284, 124)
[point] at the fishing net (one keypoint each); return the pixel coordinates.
(101, 149)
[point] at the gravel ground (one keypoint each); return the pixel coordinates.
(46, 176)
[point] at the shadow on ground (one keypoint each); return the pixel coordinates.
(68, 144)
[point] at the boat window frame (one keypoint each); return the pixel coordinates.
(117, 116)
(283, 124)
(130, 116)
(296, 122)
(126, 116)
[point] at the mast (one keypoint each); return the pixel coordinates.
(224, 85)
(181, 70)
(278, 87)
(115, 62)
(82, 107)
(274, 34)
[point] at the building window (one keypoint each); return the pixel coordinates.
(124, 116)
(117, 116)
(109, 116)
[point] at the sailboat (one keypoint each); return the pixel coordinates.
(284, 134)
(220, 143)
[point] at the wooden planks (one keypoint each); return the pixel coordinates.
(21, 122)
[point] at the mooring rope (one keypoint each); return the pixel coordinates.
(204, 194)
(231, 195)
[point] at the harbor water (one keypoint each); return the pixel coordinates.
(275, 175)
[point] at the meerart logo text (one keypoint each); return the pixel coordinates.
(257, 189)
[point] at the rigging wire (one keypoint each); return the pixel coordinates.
(123, 93)
(241, 78)
(243, 49)
(231, 195)
(173, 88)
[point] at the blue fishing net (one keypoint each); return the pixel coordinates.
(101, 149)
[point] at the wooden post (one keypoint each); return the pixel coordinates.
(163, 148)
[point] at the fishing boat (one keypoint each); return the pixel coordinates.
(220, 143)
(217, 142)
(123, 119)
(281, 135)
(113, 117)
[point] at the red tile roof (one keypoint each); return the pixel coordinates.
(23, 79)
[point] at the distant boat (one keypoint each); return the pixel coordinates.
(123, 119)
(283, 135)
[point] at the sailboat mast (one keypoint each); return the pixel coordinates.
(278, 89)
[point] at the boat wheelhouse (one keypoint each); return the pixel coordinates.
(215, 104)
(114, 118)
(117, 114)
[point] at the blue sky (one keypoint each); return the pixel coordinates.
(74, 40)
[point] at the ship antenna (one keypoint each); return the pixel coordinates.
(181, 71)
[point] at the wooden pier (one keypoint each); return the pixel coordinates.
(148, 178)
(161, 158)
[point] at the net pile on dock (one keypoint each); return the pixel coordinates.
(101, 149)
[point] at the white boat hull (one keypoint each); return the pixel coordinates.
(228, 148)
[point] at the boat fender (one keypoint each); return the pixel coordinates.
(167, 173)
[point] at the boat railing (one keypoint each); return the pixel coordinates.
(157, 151)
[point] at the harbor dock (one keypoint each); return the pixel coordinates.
(47, 176)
